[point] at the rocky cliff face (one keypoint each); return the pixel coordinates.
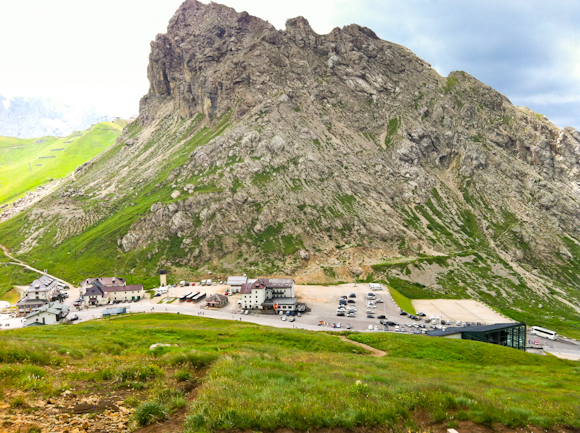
(290, 152)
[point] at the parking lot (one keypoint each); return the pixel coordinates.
(324, 301)
(462, 310)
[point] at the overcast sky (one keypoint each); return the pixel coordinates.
(96, 52)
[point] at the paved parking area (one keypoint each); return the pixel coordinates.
(323, 300)
(459, 310)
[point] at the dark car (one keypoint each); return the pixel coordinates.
(391, 323)
(478, 324)
(352, 295)
(351, 301)
(427, 320)
(340, 313)
(421, 314)
(73, 318)
(342, 302)
(186, 284)
(370, 316)
(381, 317)
(403, 313)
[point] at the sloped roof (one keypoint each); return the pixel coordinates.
(216, 297)
(237, 281)
(267, 283)
(52, 308)
(130, 288)
(104, 281)
(94, 290)
(44, 283)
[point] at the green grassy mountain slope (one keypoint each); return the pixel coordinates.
(28, 163)
(227, 376)
(298, 154)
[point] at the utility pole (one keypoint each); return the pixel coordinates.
(29, 166)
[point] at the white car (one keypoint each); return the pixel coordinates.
(283, 318)
(376, 328)
(371, 327)
(338, 325)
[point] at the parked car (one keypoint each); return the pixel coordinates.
(370, 327)
(382, 316)
(283, 318)
(403, 313)
(352, 295)
(299, 314)
(379, 301)
(74, 317)
(403, 330)
(421, 314)
(338, 325)
(376, 328)
(370, 316)
(340, 313)
(247, 312)
(349, 314)
(351, 301)
(292, 319)
(348, 326)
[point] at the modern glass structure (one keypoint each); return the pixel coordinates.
(505, 334)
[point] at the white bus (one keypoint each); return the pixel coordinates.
(184, 297)
(543, 332)
(198, 298)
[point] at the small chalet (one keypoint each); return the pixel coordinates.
(236, 283)
(49, 314)
(217, 300)
(103, 290)
(40, 292)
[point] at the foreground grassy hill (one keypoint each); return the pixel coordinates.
(28, 163)
(231, 376)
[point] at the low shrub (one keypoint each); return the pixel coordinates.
(150, 412)
(182, 376)
(139, 373)
(194, 358)
(19, 401)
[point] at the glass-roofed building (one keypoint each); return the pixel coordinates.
(505, 334)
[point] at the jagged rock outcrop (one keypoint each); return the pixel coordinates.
(269, 150)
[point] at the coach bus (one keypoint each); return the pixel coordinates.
(191, 296)
(184, 297)
(543, 332)
(199, 297)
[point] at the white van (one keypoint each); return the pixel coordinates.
(203, 282)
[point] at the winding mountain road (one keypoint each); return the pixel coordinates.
(17, 262)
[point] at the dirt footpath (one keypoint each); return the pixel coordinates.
(372, 350)
(459, 310)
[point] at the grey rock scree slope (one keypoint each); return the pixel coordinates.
(289, 152)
